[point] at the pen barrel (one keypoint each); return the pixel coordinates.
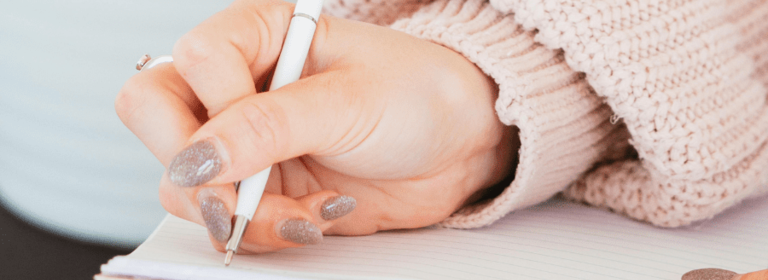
(294, 52)
(249, 193)
(290, 64)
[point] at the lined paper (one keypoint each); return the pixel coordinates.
(554, 240)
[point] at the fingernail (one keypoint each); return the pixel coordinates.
(195, 165)
(337, 206)
(301, 231)
(709, 274)
(215, 214)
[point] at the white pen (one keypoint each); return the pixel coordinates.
(289, 66)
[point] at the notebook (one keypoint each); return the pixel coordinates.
(554, 240)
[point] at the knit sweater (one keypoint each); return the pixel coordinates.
(652, 109)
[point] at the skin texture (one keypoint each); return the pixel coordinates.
(404, 126)
(757, 275)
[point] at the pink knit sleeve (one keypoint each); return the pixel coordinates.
(688, 78)
(564, 128)
(380, 12)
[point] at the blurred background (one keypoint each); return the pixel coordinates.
(76, 186)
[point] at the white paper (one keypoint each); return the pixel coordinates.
(554, 240)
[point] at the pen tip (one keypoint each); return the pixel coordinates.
(228, 259)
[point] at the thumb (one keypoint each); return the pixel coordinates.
(301, 118)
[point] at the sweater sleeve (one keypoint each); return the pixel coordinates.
(564, 128)
(379, 12)
(689, 81)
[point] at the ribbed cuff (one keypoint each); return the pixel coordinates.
(564, 127)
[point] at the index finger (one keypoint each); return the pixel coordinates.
(221, 57)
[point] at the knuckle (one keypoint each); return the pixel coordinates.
(190, 50)
(267, 125)
(268, 21)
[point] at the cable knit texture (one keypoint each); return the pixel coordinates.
(686, 78)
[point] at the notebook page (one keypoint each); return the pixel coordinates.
(554, 240)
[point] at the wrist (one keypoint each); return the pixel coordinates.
(563, 127)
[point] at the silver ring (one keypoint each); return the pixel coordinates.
(146, 61)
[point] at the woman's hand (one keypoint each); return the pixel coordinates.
(402, 126)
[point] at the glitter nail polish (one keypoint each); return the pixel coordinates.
(195, 165)
(301, 231)
(709, 274)
(337, 206)
(215, 214)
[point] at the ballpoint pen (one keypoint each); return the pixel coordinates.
(301, 30)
